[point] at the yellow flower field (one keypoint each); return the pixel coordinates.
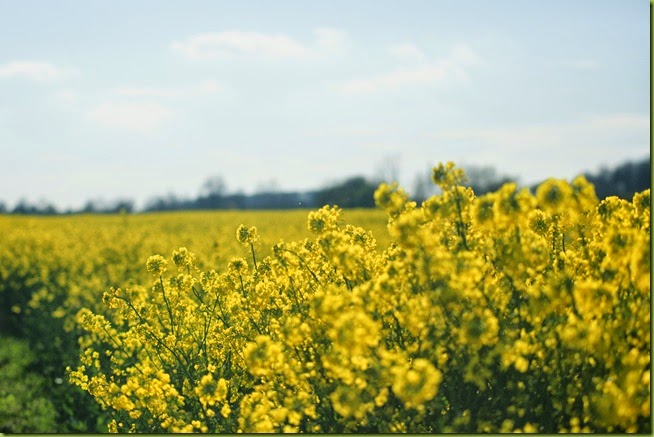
(512, 311)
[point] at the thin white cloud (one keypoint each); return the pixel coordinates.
(426, 73)
(548, 135)
(221, 44)
(573, 145)
(37, 71)
(215, 45)
(348, 132)
(206, 87)
(67, 96)
(464, 54)
(572, 64)
(407, 52)
(581, 64)
(421, 75)
(330, 38)
(140, 117)
(148, 92)
(618, 121)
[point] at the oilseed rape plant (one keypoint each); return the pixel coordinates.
(52, 267)
(504, 312)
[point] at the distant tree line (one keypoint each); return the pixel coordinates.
(91, 207)
(353, 192)
(623, 181)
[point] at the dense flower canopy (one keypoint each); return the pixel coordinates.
(504, 312)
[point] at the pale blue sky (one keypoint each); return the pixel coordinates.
(130, 99)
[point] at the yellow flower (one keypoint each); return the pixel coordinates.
(382, 397)
(323, 220)
(211, 392)
(448, 175)
(483, 208)
(584, 193)
(529, 428)
(554, 194)
(521, 364)
(247, 236)
(418, 383)
(183, 258)
(539, 222)
(156, 264)
(354, 332)
(393, 199)
(480, 327)
(237, 266)
(349, 403)
(263, 356)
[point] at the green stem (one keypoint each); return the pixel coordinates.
(254, 258)
(242, 285)
(170, 311)
(304, 264)
(460, 226)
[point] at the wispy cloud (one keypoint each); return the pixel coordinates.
(547, 135)
(67, 96)
(463, 54)
(407, 52)
(428, 72)
(37, 71)
(568, 145)
(214, 45)
(398, 78)
(580, 64)
(206, 87)
(140, 117)
(148, 92)
(330, 38)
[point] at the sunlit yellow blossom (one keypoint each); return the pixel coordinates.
(156, 264)
(238, 266)
(183, 258)
(393, 199)
(246, 235)
(263, 356)
(483, 209)
(553, 194)
(417, 383)
(445, 175)
(382, 397)
(354, 332)
(584, 193)
(210, 392)
(323, 220)
(348, 403)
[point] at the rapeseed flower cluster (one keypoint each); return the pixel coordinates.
(504, 312)
(52, 267)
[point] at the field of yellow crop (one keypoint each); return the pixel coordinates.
(512, 311)
(51, 267)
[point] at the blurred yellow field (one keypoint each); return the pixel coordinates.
(511, 311)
